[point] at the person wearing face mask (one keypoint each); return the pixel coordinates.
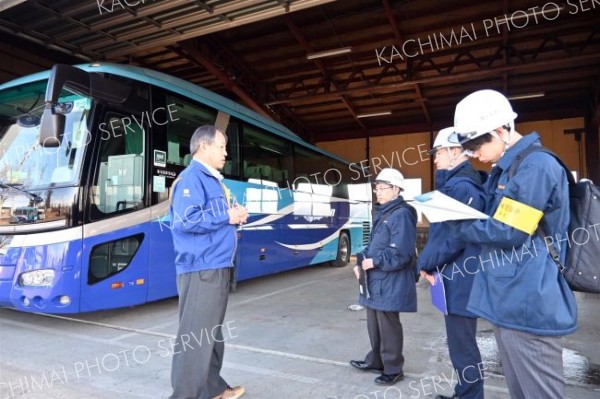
(389, 262)
(525, 296)
(450, 257)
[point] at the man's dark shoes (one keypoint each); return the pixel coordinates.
(388, 379)
(455, 396)
(359, 364)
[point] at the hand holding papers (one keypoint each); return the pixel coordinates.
(439, 207)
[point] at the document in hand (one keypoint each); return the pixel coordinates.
(439, 207)
(363, 283)
(438, 294)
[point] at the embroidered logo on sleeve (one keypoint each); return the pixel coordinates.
(186, 192)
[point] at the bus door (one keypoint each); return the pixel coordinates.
(116, 239)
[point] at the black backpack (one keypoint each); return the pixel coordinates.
(582, 266)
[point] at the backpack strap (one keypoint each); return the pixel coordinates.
(512, 170)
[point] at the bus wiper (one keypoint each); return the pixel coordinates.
(36, 199)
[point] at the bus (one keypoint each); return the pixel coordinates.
(92, 150)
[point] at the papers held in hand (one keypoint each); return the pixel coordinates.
(439, 207)
(363, 283)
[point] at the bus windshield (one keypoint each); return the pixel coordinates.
(24, 162)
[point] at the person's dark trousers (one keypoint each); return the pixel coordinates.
(196, 369)
(386, 336)
(464, 354)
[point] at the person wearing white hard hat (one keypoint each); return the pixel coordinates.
(517, 287)
(443, 253)
(389, 263)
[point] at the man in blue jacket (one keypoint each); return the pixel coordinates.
(518, 287)
(388, 261)
(204, 238)
(446, 255)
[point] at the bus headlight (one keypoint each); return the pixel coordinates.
(37, 278)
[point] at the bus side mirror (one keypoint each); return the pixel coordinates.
(80, 82)
(52, 128)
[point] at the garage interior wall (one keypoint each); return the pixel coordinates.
(406, 152)
(18, 62)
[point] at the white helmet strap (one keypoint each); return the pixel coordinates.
(505, 141)
(453, 158)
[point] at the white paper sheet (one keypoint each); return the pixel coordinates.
(439, 207)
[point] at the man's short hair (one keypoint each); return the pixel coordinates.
(206, 133)
(473, 145)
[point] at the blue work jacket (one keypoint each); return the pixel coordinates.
(444, 252)
(518, 285)
(202, 236)
(391, 282)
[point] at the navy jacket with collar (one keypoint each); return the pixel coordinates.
(518, 286)
(202, 236)
(391, 282)
(444, 252)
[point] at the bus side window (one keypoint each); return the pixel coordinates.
(110, 258)
(186, 117)
(265, 156)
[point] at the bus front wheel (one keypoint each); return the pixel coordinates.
(343, 251)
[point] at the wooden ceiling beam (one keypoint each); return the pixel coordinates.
(364, 51)
(216, 27)
(196, 56)
(321, 66)
(540, 65)
(422, 127)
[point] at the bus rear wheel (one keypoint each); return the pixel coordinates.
(343, 251)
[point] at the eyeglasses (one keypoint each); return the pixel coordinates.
(378, 189)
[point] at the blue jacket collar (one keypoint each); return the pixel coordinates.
(442, 176)
(390, 205)
(510, 155)
(202, 168)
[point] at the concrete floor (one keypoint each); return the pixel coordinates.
(289, 335)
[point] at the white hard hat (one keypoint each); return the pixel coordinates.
(442, 140)
(390, 176)
(479, 113)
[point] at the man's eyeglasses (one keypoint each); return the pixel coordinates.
(377, 189)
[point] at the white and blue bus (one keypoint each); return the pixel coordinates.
(87, 156)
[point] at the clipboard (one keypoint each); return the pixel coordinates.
(438, 294)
